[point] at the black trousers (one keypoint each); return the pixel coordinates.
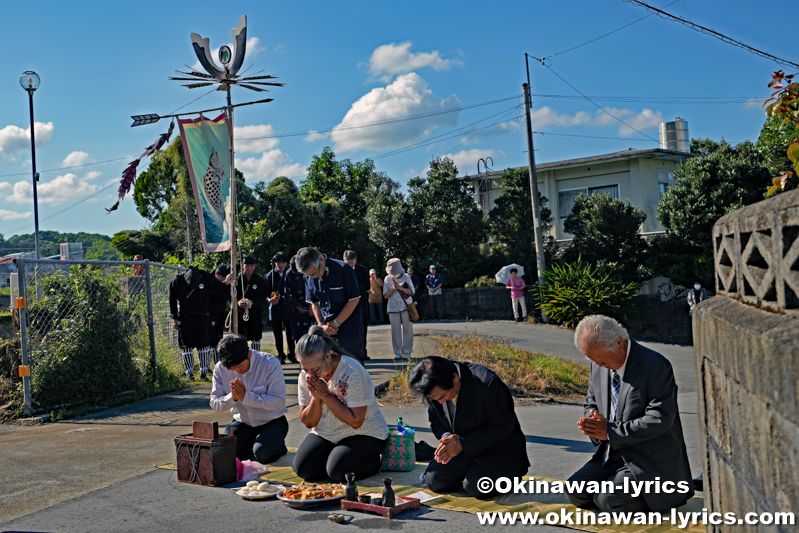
(277, 330)
(614, 470)
(265, 443)
(319, 459)
(460, 474)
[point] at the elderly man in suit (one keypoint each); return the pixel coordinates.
(471, 414)
(631, 414)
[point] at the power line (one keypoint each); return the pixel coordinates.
(682, 100)
(381, 122)
(591, 136)
(66, 168)
(589, 99)
(707, 31)
(605, 35)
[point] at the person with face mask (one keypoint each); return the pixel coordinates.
(696, 295)
(398, 287)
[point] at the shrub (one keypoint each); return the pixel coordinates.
(572, 291)
(83, 329)
(482, 281)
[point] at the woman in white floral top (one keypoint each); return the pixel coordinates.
(337, 402)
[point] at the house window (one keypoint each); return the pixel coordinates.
(662, 187)
(665, 180)
(566, 198)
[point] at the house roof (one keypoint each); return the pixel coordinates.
(651, 153)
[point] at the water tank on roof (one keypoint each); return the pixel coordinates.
(674, 135)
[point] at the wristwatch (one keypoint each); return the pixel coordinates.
(336, 324)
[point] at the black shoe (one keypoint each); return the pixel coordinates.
(189, 377)
(293, 360)
(698, 483)
(367, 358)
(282, 359)
(204, 377)
(424, 452)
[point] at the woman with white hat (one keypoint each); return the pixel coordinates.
(398, 289)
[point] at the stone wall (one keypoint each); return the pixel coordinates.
(656, 320)
(747, 358)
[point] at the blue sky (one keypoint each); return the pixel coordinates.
(350, 63)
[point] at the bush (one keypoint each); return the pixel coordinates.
(482, 281)
(572, 291)
(83, 330)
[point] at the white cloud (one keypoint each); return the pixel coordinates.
(74, 159)
(270, 165)
(5, 214)
(15, 140)
(389, 60)
(243, 133)
(314, 136)
(5, 187)
(92, 175)
(56, 191)
(545, 117)
(407, 95)
(253, 49)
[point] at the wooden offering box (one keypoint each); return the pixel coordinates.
(403, 504)
(205, 458)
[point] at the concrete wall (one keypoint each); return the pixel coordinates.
(661, 321)
(475, 303)
(747, 358)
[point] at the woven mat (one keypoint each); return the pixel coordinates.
(406, 483)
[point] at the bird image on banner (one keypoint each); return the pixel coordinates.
(129, 174)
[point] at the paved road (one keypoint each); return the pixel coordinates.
(95, 473)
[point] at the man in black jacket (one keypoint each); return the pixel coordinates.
(218, 305)
(251, 293)
(189, 294)
(278, 308)
(471, 414)
(364, 284)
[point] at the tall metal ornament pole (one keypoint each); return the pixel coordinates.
(234, 307)
(539, 239)
(33, 162)
(188, 234)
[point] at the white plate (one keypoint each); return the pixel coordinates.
(273, 491)
(299, 504)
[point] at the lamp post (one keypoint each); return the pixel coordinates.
(30, 82)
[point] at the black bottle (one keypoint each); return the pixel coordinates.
(352, 490)
(389, 500)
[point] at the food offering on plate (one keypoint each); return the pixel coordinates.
(314, 491)
(255, 490)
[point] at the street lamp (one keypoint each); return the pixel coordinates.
(30, 81)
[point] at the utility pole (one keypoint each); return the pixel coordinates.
(539, 239)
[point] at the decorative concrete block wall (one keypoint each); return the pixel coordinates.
(746, 341)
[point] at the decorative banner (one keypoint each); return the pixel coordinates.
(206, 145)
(129, 174)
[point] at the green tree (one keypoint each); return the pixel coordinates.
(344, 181)
(706, 189)
(606, 230)
(778, 133)
(152, 245)
(446, 225)
(512, 221)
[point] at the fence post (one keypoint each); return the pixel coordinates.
(150, 318)
(23, 334)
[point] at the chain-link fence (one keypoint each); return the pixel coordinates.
(92, 330)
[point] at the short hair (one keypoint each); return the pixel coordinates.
(350, 255)
(432, 372)
(317, 342)
(232, 350)
(599, 331)
(512, 270)
(307, 258)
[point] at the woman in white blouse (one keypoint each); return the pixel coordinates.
(337, 402)
(398, 289)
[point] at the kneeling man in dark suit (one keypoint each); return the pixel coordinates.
(471, 414)
(631, 413)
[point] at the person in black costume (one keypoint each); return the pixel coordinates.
(364, 284)
(189, 294)
(251, 294)
(278, 309)
(218, 306)
(294, 294)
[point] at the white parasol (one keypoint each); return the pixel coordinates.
(504, 273)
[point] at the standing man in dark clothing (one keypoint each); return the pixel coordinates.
(278, 309)
(332, 290)
(251, 294)
(302, 318)
(218, 306)
(189, 295)
(364, 284)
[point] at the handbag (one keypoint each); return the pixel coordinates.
(400, 452)
(413, 313)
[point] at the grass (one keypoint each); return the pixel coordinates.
(530, 376)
